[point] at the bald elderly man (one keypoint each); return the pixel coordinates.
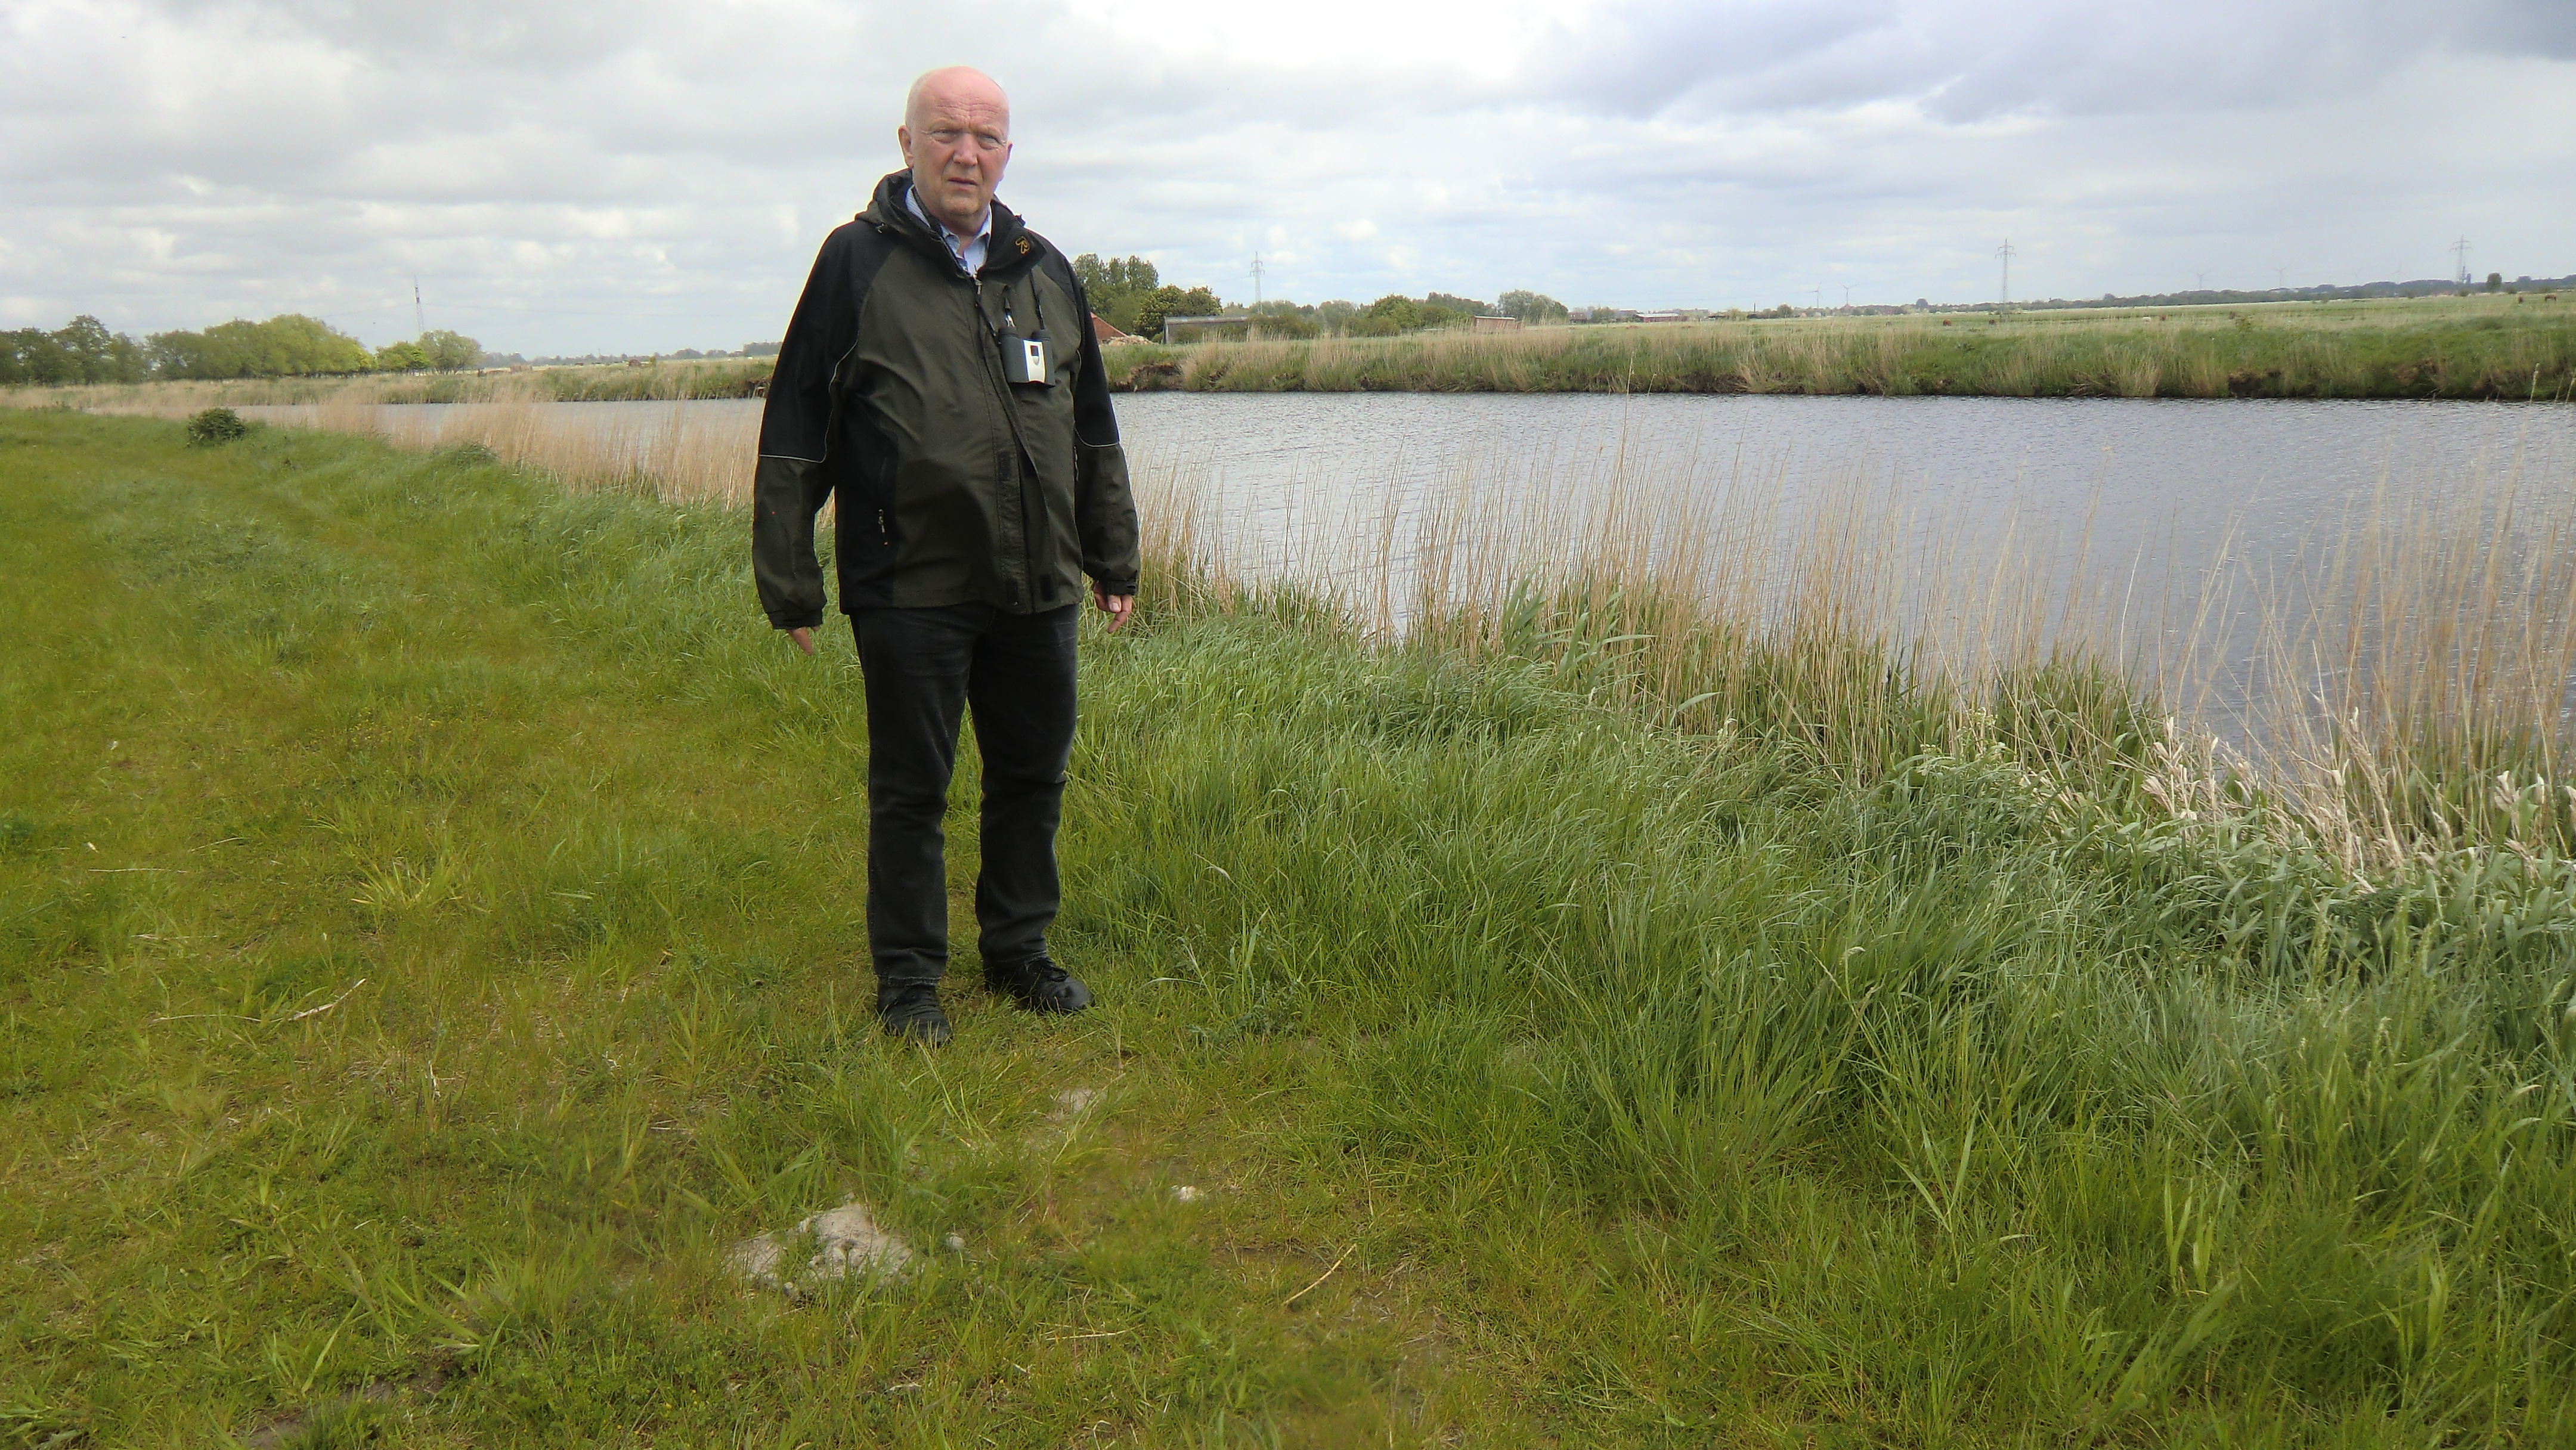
(940, 381)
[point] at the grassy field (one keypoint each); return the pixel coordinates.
(430, 937)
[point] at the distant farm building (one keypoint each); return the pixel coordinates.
(1659, 317)
(1103, 330)
(1498, 324)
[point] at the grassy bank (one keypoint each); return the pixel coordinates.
(429, 926)
(660, 381)
(2502, 347)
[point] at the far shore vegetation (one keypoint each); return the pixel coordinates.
(2505, 345)
(1642, 997)
(2517, 347)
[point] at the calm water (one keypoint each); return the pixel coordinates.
(2136, 498)
(2169, 478)
(2191, 520)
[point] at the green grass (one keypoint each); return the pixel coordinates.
(430, 935)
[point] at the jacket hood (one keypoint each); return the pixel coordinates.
(1012, 245)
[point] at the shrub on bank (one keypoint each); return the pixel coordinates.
(216, 425)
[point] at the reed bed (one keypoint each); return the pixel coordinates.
(679, 454)
(2418, 680)
(2404, 693)
(2485, 348)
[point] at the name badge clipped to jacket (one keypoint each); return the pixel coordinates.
(1024, 360)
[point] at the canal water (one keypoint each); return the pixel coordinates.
(2172, 478)
(2199, 518)
(2176, 479)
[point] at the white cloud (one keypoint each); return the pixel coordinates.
(656, 174)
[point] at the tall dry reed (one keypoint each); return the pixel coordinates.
(679, 453)
(2406, 693)
(2417, 679)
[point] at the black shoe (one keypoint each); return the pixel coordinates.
(912, 1013)
(1039, 985)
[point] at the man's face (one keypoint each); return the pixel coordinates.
(957, 141)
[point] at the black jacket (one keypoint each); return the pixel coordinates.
(953, 484)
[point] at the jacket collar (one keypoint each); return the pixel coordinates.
(1012, 247)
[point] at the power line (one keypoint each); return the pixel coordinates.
(2006, 252)
(419, 327)
(2460, 249)
(1256, 279)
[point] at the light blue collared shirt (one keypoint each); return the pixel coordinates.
(968, 252)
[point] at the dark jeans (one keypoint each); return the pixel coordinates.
(924, 668)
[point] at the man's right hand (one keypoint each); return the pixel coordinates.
(804, 639)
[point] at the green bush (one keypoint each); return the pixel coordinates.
(216, 425)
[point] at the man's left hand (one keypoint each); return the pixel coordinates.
(1116, 606)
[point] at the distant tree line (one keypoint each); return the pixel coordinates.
(288, 345)
(80, 351)
(1395, 313)
(1130, 295)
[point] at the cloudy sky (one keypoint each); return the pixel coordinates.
(655, 174)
